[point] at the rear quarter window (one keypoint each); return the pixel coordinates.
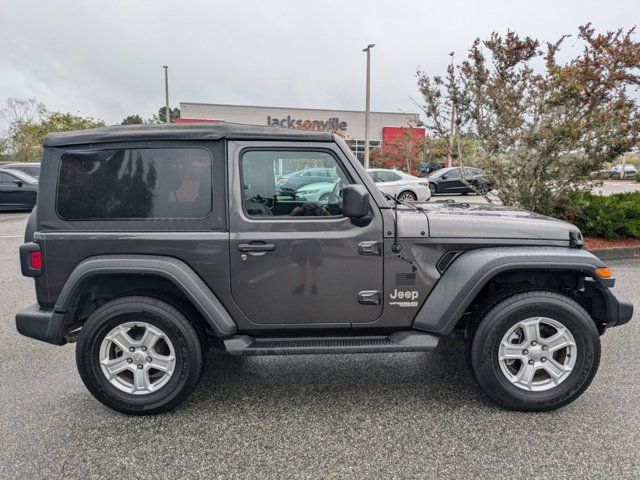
(129, 184)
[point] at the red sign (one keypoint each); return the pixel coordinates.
(389, 133)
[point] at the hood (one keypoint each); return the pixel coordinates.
(464, 220)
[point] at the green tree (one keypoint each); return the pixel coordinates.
(539, 132)
(132, 120)
(30, 122)
(174, 113)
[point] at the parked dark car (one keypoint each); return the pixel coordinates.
(32, 169)
(18, 191)
(449, 180)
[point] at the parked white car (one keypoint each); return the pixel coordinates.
(628, 170)
(405, 186)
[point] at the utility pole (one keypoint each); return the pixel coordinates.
(367, 113)
(166, 93)
(451, 128)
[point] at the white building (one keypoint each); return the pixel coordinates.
(383, 126)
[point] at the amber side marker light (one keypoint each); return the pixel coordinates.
(604, 272)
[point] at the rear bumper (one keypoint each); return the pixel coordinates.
(619, 309)
(44, 325)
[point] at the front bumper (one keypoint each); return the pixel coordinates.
(44, 325)
(619, 309)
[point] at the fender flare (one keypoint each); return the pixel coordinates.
(172, 269)
(472, 270)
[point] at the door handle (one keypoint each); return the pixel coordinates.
(256, 247)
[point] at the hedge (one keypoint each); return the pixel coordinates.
(611, 217)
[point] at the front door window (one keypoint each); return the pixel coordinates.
(292, 184)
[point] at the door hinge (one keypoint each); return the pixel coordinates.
(370, 248)
(370, 297)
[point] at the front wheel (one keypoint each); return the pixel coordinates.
(535, 351)
(433, 189)
(139, 355)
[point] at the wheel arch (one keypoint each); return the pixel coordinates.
(479, 275)
(101, 278)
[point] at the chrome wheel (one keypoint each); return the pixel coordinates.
(137, 358)
(537, 354)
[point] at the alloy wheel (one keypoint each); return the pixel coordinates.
(537, 354)
(407, 197)
(137, 358)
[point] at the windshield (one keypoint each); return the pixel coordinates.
(28, 169)
(437, 173)
(20, 175)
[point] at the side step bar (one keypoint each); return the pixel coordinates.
(406, 341)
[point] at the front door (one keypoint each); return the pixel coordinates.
(11, 194)
(452, 183)
(295, 259)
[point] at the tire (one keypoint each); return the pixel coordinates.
(433, 189)
(180, 341)
(324, 197)
(407, 196)
(557, 312)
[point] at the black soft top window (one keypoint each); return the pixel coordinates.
(133, 184)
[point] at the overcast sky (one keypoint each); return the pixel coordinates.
(104, 58)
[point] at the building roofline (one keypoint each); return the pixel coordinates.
(294, 108)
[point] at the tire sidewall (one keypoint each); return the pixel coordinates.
(489, 334)
(184, 340)
(408, 192)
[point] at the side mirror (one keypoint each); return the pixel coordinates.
(355, 201)
(18, 182)
(444, 177)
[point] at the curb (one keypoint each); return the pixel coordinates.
(616, 253)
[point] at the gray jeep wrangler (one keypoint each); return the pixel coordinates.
(152, 244)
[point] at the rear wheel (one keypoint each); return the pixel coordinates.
(407, 196)
(139, 355)
(535, 351)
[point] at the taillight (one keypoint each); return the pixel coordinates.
(35, 260)
(424, 184)
(30, 259)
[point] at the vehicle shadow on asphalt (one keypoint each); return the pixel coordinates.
(438, 379)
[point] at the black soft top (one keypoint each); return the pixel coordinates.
(181, 131)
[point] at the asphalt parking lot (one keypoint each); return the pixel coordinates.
(413, 415)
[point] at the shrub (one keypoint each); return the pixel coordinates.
(610, 216)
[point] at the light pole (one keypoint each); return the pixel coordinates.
(368, 105)
(167, 113)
